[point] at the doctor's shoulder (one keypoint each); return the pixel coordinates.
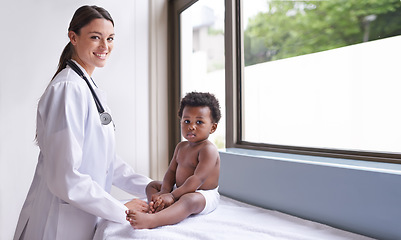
(66, 83)
(68, 75)
(68, 78)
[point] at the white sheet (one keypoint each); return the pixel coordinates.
(231, 220)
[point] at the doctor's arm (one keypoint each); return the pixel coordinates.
(125, 178)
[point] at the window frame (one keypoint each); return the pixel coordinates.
(234, 62)
(175, 8)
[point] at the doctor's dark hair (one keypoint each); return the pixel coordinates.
(82, 17)
(201, 99)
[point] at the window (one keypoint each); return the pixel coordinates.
(315, 77)
(202, 55)
(197, 61)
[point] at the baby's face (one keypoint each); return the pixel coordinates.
(197, 124)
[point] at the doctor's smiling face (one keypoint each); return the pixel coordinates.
(93, 44)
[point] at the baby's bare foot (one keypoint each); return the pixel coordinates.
(139, 220)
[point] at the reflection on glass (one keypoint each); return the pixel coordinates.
(323, 74)
(202, 55)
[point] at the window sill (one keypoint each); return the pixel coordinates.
(383, 167)
(357, 196)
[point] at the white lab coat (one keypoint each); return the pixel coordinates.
(76, 167)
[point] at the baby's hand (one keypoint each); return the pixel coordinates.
(151, 207)
(158, 205)
(163, 201)
(155, 202)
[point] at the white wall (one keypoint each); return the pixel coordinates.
(33, 35)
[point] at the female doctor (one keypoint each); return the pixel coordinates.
(77, 163)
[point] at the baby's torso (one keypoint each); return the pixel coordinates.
(188, 159)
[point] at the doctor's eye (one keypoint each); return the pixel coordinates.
(110, 39)
(95, 37)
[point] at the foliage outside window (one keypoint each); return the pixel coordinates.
(292, 28)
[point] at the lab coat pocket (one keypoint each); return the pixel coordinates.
(74, 223)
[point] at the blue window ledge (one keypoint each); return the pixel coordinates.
(357, 196)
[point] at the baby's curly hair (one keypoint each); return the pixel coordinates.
(201, 99)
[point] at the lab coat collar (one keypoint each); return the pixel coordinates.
(86, 74)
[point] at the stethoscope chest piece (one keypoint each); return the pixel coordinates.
(105, 118)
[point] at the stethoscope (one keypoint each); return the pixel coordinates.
(105, 118)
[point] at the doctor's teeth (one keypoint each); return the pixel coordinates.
(101, 55)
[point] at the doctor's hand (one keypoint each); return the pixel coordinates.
(138, 205)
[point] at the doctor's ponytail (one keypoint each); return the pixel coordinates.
(65, 55)
(82, 17)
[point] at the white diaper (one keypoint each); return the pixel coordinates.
(212, 199)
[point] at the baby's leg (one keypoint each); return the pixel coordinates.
(190, 203)
(152, 188)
